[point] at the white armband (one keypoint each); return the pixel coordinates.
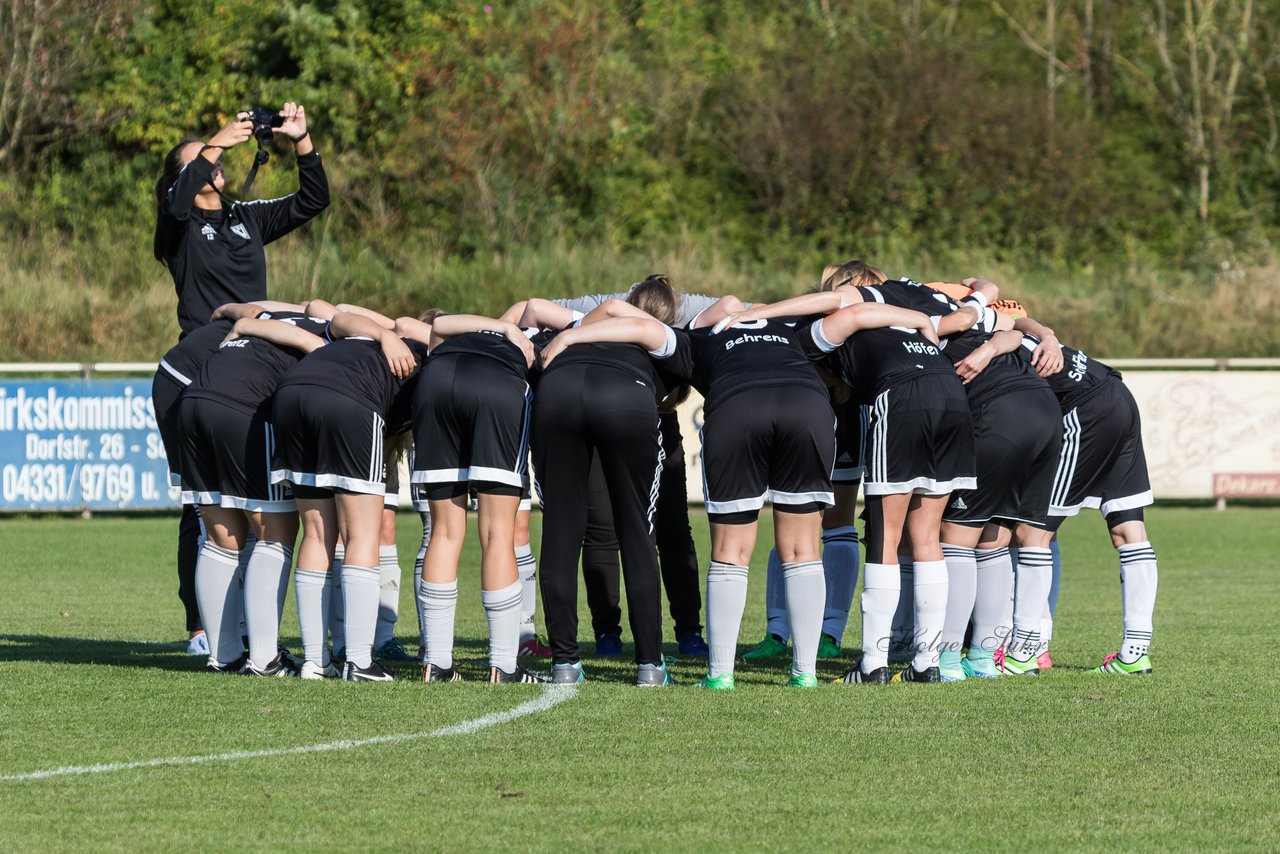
(668, 347)
(820, 338)
(978, 297)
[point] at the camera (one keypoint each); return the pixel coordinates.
(263, 121)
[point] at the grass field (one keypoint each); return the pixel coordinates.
(1186, 759)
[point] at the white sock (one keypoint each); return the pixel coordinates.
(337, 607)
(1138, 576)
(1046, 630)
(991, 615)
(439, 602)
(881, 586)
(903, 638)
(502, 608)
(417, 578)
(265, 578)
(962, 591)
(220, 596)
(527, 567)
(775, 599)
(388, 594)
(312, 589)
(840, 553)
(931, 610)
(726, 600)
(1034, 575)
(806, 593)
(360, 588)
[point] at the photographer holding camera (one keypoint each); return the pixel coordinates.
(212, 246)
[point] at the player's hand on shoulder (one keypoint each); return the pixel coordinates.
(1047, 358)
(968, 368)
(399, 357)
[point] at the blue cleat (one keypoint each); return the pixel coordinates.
(609, 645)
(691, 643)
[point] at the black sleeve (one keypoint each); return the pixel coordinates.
(182, 194)
(679, 363)
(813, 351)
(277, 217)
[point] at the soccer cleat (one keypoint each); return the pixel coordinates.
(980, 667)
(375, 672)
(653, 675)
(295, 660)
(609, 645)
(314, 672)
(723, 682)
(828, 647)
(432, 673)
(534, 647)
(803, 680)
(280, 666)
(1043, 661)
(234, 667)
(771, 647)
(855, 676)
(567, 673)
(951, 667)
(393, 651)
(498, 676)
(1113, 664)
(910, 674)
(692, 643)
(198, 645)
(1011, 666)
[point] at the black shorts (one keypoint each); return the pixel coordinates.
(1102, 463)
(920, 439)
(1017, 437)
(327, 442)
(165, 391)
(226, 458)
(470, 428)
(774, 443)
(851, 441)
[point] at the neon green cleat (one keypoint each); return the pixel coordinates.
(803, 680)
(1113, 664)
(723, 682)
(771, 647)
(828, 647)
(950, 666)
(1011, 666)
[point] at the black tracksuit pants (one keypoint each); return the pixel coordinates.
(677, 553)
(583, 411)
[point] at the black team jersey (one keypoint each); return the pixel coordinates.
(216, 256)
(492, 345)
(357, 369)
(1005, 373)
(244, 372)
(660, 373)
(1080, 378)
(756, 354)
(185, 359)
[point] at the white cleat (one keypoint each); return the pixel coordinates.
(314, 672)
(198, 645)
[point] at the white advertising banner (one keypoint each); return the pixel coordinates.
(1210, 433)
(1207, 434)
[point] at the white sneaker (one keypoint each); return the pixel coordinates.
(198, 645)
(311, 670)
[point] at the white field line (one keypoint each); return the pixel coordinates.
(551, 696)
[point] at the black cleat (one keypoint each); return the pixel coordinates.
(234, 667)
(929, 674)
(375, 672)
(855, 676)
(432, 673)
(497, 676)
(282, 665)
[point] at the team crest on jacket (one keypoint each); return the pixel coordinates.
(239, 229)
(208, 232)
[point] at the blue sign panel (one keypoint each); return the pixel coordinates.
(81, 444)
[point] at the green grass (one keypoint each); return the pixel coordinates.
(1185, 759)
